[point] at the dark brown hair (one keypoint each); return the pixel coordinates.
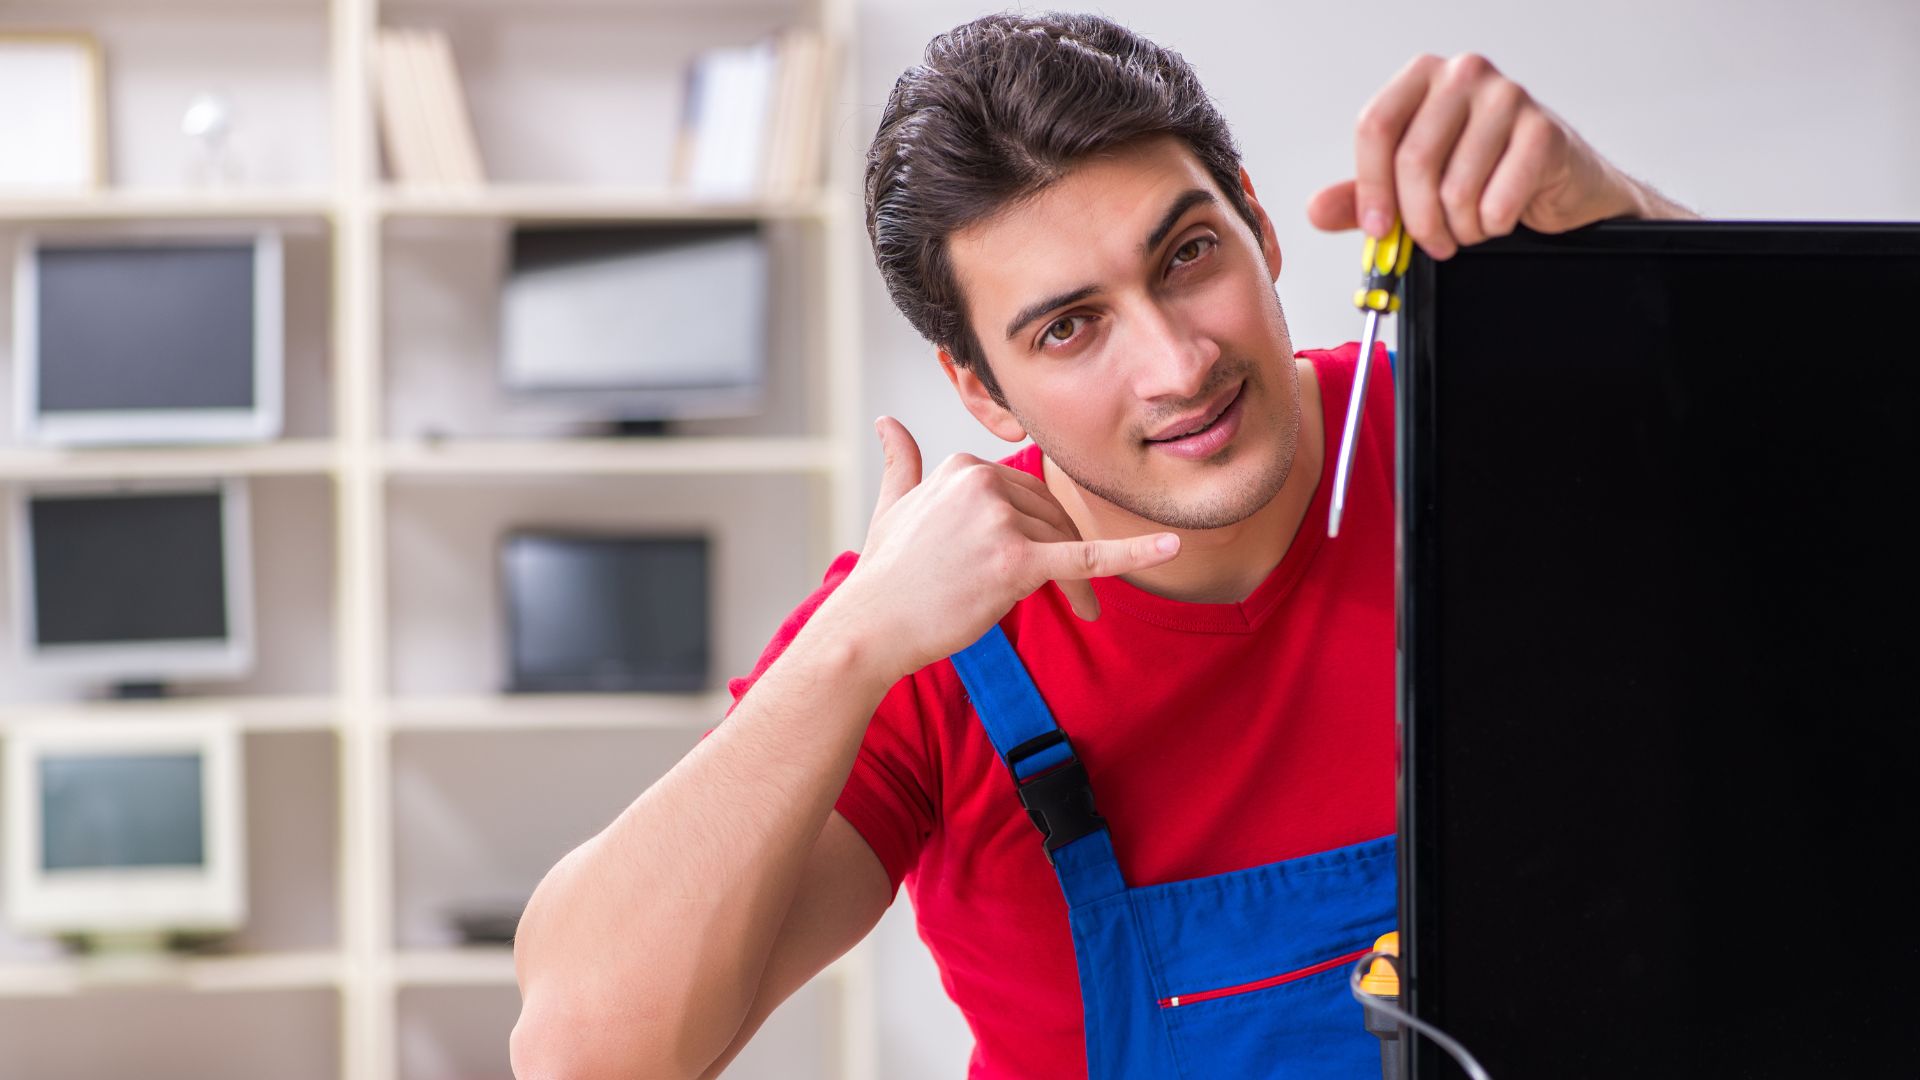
(999, 108)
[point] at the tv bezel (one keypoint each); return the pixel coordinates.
(261, 422)
(228, 657)
(127, 899)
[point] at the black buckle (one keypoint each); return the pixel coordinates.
(1060, 800)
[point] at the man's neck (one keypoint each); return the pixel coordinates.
(1225, 565)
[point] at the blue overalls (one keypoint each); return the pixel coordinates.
(1237, 975)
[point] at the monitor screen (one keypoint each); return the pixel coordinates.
(600, 613)
(638, 322)
(128, 567)
(1658, 623)
(107, 811)
(152, 341)
(180, 335)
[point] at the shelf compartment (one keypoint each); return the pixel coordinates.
(527, 712)
(607, 457)
(584, 203)
(288, 457)
(265, 713)
(135, 204)
(207, 974)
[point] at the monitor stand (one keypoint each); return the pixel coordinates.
(637, 429)
(132, 946)
(139, 691)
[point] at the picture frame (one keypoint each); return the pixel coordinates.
(58, 143)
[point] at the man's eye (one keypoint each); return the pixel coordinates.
(1062, 328)
(1192, 249)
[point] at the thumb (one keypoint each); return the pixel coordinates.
(1333, 208)
(903, 463)
(1075, 560)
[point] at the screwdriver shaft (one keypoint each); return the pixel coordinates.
(1356, 404)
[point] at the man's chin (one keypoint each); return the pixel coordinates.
(1197, 503)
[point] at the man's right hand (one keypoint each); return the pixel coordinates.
(948, 556)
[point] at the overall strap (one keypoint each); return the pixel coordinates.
(1051, 781)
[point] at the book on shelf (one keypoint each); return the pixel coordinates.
(751, 118)
(424, 120)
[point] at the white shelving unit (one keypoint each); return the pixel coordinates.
(376, 705)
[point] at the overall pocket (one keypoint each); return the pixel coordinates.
(1295, 1024)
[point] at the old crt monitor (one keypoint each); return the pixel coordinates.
(1658, 694)
(607, 613)
(637, 322)
(134, 582)
(125, 827)
(169, 340)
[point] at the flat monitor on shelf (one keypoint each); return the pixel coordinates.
(1658, 613)
(637, 323)
(128, 341)
(134, 583)
(125, 829)
(607, 613)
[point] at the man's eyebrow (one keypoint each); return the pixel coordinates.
(1034, 311)
(1188, 199)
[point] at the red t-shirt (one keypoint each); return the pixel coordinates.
(1217, 737)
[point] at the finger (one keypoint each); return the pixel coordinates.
(1035, 498)
(1377, 137)
(1042, 508)
(902, 472)
(1422, 158)
(1081, 559)
(1489, 128)
(1080, 595)
(1332, 208)
(1516, 178)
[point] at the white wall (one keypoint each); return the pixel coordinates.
(1738, 108)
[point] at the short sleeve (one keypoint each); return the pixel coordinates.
(887, 796)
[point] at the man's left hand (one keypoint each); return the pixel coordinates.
(1463, 153)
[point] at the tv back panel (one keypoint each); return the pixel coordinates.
(1657, 610)
(128, 341)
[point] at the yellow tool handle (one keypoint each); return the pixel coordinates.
(1382, 262)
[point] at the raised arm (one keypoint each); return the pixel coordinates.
(655, 948)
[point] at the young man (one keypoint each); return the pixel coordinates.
(1057, 207)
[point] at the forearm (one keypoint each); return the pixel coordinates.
(644, 946)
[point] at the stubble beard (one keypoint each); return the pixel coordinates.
(1214, 510)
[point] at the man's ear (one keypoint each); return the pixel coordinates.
(1269, 241)
(973, 394)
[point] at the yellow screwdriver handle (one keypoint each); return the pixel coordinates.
(1382, 262)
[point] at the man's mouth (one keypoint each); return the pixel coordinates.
(1202, 434)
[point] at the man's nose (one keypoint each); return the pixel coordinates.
(1171, 360)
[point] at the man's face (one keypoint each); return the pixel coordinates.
(1129, 315)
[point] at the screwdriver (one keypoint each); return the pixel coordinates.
(1382, 262)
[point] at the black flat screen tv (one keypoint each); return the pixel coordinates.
(603, 613)
(1657, 691)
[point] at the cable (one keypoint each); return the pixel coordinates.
(1369, 1001)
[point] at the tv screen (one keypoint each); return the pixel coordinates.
(638, 322)
(607, 613)
(1659, 634)
(128, 568)
(150, 341)
(101, 811)
(135, 583)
